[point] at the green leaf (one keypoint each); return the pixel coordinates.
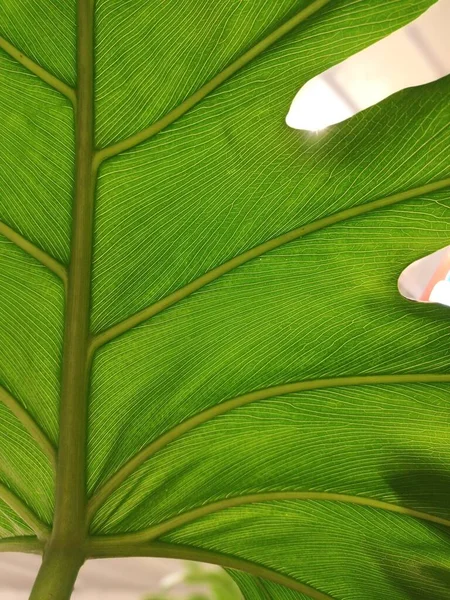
(200, 323)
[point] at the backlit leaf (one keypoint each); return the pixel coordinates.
(260, 395)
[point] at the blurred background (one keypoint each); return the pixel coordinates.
(414, 55)
(125, 579)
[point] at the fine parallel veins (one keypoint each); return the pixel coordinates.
(67, 544)
(37, 70)
(45, 259)
(116, 330)
(262, 587)
(179, 111)
(24, 512)
(65, 547)
(106, 548)
(154, 532)
(30, 425)
(175, 433)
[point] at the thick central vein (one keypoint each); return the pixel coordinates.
(70, 507)
(65, 551)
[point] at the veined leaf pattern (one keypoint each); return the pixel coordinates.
(202, 341)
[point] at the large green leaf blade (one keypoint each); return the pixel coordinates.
(333, 487)
(344, 551)
(151, 57)
(204, 190)
(414, 581)
(275, 319)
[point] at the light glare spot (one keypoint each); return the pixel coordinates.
(316, 106)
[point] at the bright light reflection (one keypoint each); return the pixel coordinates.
(316, 106)
(416, 54)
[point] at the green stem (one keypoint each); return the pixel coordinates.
(71, 485)
(57, 574)
(65, 551)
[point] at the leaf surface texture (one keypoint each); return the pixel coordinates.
(214, 468)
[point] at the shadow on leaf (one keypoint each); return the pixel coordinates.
(423, 573)
(422, 484)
